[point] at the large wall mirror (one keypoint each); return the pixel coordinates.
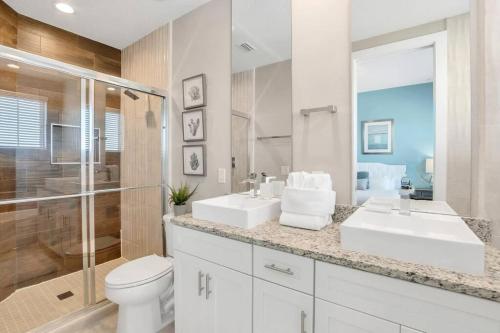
(412, 101)
(261, 115)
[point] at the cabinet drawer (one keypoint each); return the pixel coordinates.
(424, 309)
(223, 251)
(285, 269)
(332, 318)
(409, 330)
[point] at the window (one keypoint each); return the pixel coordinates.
(22, 120)
(112, 130)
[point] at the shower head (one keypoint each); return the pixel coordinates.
(131, 95)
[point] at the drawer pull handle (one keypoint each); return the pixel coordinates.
(200, 287)
(303, 322)
(208, 291)
(278, 269)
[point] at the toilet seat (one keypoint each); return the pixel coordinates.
(139, 272)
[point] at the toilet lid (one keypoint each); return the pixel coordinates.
(139, 271)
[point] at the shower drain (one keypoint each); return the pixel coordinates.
(65, 295)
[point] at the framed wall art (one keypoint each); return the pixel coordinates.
(194, 92)
(194, 160)
(193, 125)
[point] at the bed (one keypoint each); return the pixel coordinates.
(384, 180)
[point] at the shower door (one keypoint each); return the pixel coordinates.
(125, 222)
(81, 190)
(42, 195)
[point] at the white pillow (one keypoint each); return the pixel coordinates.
(382, 183)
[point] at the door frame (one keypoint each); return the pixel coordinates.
(439, 42)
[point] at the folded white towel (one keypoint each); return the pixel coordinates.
(315, 180)
(321, 181)
(308, 201)
(305, 221)
(296, 179)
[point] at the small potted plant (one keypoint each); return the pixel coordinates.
(179, 198)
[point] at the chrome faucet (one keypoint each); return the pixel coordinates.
(252, 179)
(267, 179)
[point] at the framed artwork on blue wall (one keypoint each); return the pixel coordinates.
(377, 136)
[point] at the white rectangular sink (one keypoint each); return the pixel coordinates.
(438, 240)
(238, 210)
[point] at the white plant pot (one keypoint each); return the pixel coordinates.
(180, 209)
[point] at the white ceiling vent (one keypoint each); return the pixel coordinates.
(248, 47)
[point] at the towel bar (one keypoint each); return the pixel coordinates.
(273, 137)
(328, 108)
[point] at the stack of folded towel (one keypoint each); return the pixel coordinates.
(308, 201)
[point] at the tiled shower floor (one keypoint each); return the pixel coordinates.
(36, 305)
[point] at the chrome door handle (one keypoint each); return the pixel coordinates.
(303, 322)
(207, 283)
(278, 269)
(200, 287)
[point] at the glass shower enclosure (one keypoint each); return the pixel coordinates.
(82, 159)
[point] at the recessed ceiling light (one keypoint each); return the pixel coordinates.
(13, 66)
(65, 8)
(111, 89)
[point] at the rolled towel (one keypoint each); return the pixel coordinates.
(304, 221)
(308, 201)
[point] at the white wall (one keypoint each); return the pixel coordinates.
(485, 112)
(201, 43)
(459, 115)
(273, 117)
(321, 72)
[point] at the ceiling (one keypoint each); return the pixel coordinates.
(264, 24)
(376, 17)
(267, 26)
(396, 70)
(117, 23)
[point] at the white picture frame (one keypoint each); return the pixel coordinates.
(378, 136)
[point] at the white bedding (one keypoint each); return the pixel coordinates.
(363, 196)
(384, 181)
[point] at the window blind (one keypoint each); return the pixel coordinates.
(22, 121)
(112, 131)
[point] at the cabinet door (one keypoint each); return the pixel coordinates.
(332, 318)
(191, 315)
(281, 310)
(409, 330)
(229, 298)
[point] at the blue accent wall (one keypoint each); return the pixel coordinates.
(412, 108)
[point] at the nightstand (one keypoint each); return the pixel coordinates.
(422, 194)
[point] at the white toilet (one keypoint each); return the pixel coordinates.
(144, 291)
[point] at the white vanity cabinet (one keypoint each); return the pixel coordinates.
(409, 330)
(281, 310)
(211, 298)
(333, 318)
(213, 292)
(227, 286)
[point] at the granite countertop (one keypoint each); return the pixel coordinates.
(324, 245)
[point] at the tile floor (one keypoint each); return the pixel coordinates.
(102, 320)
(36, 305)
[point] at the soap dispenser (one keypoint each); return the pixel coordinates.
(404, 194)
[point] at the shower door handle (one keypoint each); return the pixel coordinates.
(200, 286)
